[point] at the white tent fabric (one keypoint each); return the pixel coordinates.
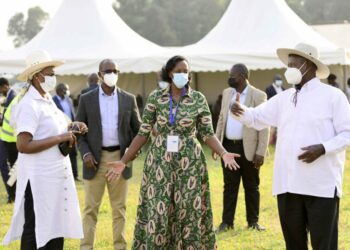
(250, 31)
(83, 32)
(337, 33)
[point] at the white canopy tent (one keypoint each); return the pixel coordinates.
(83, 32)
(249, 32)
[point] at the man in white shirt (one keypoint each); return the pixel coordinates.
(113, 120)
(313, 120)
(65, 104)
(249, 143)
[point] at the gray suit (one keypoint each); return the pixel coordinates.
(128, 124)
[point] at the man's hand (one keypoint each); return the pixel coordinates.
(312, 153)
(236, 108)
(78, 127)
(90, 162)
(258, 161)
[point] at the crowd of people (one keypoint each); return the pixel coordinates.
(42, 135)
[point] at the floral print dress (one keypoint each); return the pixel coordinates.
(174, 210)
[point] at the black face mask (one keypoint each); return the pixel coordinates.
(232, 82)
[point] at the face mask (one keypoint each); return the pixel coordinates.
(232, 82)
(110, 79)
(163, 84)
(278, 83)
(180, 80)
(294, 75)
(67, 93)
(49, 83)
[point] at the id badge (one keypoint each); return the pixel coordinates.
(173, 143)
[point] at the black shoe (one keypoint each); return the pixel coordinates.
(256, 226)
(223, 227)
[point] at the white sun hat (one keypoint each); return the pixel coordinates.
(310, 53)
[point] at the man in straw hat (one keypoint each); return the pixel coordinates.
(46, 207)
(313, 120)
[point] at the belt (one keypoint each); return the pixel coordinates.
(111, 148)
(238, 142)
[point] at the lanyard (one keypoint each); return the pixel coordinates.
(171, 115)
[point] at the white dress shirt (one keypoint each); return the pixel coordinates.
(321, 116)
(66, 106)
(234, 128)
(109, 118)
(56, 204)
(277, 88)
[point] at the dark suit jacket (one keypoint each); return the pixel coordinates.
(56, 100)
(128, 123)
(270, 91)
(91, 87)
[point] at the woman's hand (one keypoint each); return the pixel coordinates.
(68, 136)
(115, 170)
(229, 160)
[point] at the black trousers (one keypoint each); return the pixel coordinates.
(28, 239)
(300, 214)
(4, 168)
(232, 179)
(73, 161)
(12, 154)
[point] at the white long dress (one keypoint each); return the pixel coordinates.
(56, 204)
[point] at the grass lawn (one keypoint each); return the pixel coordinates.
(240, 238)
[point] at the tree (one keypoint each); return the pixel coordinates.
(171, 23)
(321, 11)
(23, 29)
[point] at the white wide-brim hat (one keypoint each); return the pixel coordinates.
(36, 61)
(307, 51)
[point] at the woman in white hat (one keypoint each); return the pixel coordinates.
(46, 207)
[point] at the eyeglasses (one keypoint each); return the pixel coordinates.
(109, 71)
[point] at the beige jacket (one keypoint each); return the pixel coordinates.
(254, 141)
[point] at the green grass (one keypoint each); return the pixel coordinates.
(240, 238)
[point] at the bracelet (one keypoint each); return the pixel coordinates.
(222, 154)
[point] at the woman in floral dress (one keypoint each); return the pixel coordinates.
(174, 210)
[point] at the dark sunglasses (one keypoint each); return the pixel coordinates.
(108, 71)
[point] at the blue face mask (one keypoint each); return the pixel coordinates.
(180, 79)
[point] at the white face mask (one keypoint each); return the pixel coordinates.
(278, 83)
(163, 84)
(49, 84)
(180, 79)
(110, 79)
(294, 75)
(67, 93)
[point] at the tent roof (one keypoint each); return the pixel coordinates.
(250, 31)
(337, 33)
(83, 32)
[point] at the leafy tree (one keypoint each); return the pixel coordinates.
(23, 29)
(171, 23)
(322, 11)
